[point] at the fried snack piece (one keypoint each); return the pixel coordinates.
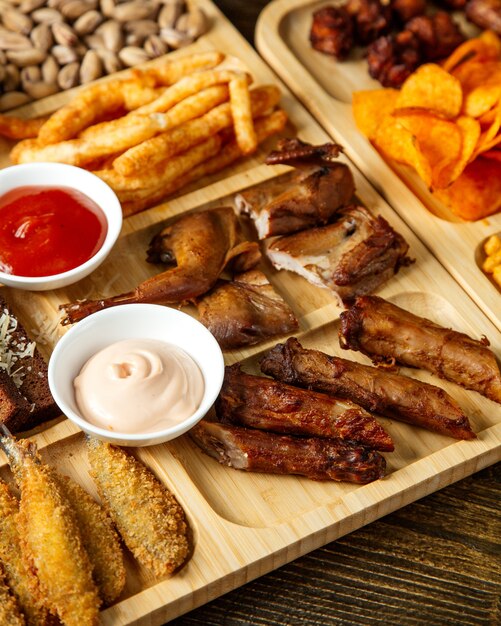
(241, 111)
(19, 128)
(258, 451)
(10, 613)
(263, 403)
(147, 515)
(99, 538)
(389, 334)
(153, 151)
(99, 100)
(265, 127)
(395, 396)
(51, 539)
(332, 31)
(18, 574)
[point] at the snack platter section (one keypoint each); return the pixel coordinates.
(325, 86)
(245, 524)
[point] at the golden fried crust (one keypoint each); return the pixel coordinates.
(51, 541)
(20, 578)
(147, 515)
(10, 613)
(99, 537)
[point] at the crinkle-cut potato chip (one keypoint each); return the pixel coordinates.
(469, 197)
(398, 143)
(438, 140)
(371, 107)
(432, 88)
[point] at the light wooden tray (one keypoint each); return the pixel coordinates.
(325, 86)
(245, 525)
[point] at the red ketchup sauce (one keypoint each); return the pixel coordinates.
(48, 230)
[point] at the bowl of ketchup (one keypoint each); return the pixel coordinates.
(57, 224)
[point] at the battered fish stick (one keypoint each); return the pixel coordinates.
(99, 537)
(18, 574)
(51, 539)
(10, 614)
(148, 517)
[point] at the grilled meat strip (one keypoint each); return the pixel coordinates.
(308, 197)
(245, 311)
(258, 451)
(353, 256)
(266, 404)
(388, 334)
(395, 396)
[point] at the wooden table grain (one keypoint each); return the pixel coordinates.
(436, 562)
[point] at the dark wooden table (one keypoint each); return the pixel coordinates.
(435, 562)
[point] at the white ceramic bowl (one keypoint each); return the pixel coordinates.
(134, 321)
(61, 175)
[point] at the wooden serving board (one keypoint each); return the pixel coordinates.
(325, 87)
(247, 524)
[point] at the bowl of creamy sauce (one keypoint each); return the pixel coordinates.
(136, 374)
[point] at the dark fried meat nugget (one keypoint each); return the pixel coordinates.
(438, 35)
(393, 58)
(332, 31)
(453, 4)
(372, 19)
(485, 13)
(407, 9)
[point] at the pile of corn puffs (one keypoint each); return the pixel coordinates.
(153, 132)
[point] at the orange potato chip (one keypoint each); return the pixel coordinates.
(371, 107)
(490, 133)
(399, 144)
(432, 88)
(438, 140)
(492, 154)
(482, 98)
(470, 133)
(477, 192)
(484, 48)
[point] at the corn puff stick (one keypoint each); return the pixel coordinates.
(51, 539)
(18, 128)
(265, 127)
(188, 86)
(99, 538)
(148, 517)
(152, 151)
(99, 100)
(241, 111)
(10, 614)
(19, 576)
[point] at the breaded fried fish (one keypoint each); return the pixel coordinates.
(10, 614)
(147, 516)
(51, 539)
(18, 574)
(99, 537)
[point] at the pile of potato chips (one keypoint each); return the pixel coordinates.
(445, 123)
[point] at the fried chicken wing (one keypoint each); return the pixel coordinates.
(332, 31)
(264, 403)
(438, 34)
(392, 58)
(373, 18)
(51, 539)
(388, 334)
(258, 451)
(198, 246)
(10, 613)
(300, 199)
(352, 256)
(19, 575)
(148, 517)
(99, 538)
(398, 397)
(245, 311)
(485, 13)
